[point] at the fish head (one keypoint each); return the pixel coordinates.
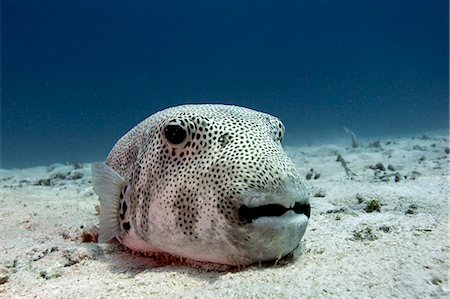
(213, 183)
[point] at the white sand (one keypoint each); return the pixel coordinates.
(401, 251)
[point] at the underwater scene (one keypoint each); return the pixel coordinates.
(224, 149)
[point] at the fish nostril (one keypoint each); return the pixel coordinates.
(224, 139)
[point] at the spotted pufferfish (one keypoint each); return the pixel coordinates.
(206, 182)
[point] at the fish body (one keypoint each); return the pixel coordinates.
(207, 182)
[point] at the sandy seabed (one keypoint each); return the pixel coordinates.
(379, 228)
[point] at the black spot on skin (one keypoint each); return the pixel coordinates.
(124, 207)
(126, 225)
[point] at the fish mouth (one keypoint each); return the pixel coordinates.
(248, 215)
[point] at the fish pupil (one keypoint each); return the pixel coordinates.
(175, 134)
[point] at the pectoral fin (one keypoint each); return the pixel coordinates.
(108, 185)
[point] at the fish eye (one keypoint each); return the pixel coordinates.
(281, 130)
(276, 128)
(175, 134)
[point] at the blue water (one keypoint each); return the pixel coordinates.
(76, 75)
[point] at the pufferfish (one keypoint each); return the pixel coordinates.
(205, 182)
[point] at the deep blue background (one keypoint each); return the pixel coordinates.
(76, 75)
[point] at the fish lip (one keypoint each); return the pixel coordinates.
(274, 203)
(248, 215)
(286, 197)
